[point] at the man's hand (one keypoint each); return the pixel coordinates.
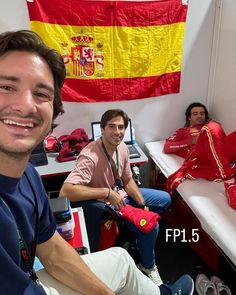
(116, 199)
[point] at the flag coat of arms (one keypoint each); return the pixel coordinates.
(114, 50)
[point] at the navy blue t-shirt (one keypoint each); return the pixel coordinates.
(20, 199)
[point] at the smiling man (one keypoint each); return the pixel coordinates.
(103, 173)
(31, 78)
(24, 79)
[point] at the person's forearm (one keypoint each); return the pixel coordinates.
(175, 146)
(67, 267)
(76, 192)
(133, 191)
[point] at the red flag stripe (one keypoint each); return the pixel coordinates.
(120, 89)
(102, 13)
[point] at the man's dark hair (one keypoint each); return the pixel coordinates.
(110, 114)
(189, 109)
(25, 40)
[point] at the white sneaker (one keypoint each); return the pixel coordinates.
(220, 286)
(153, 274)
(204, 286)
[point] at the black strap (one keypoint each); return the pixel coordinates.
(31, 255)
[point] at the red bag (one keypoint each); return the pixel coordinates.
(108, 235)
(144, 220)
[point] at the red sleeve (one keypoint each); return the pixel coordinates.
(179, 141)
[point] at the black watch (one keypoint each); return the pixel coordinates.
(142, 206)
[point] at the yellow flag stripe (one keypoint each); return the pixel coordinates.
(125, 52)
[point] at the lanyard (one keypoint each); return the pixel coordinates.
(27, 257)
(115, 169)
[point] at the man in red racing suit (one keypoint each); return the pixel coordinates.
(208, 152)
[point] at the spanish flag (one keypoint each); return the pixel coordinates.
(114, 50)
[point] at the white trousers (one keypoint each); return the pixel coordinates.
(114, 267)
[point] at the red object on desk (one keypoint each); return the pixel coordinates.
(77, 240)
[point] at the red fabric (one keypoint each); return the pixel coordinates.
(77, 240)
(108, 235)
(144, 220)
(230, 190)
(210, 157)
(180, 142)
(82, 90)
(82, 13)
(72, 144)
(51, 144)
(91, 76)
(230, 144)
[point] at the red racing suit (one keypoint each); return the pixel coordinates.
(210, 158)
(180, 142)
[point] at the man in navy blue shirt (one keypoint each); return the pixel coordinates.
(31, 78)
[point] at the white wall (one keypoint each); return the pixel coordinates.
(153, 118)
(13, 15)
(224, 90)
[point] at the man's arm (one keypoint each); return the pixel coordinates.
(133, 191)
(78, 192)
(82, 173)
(179, 141)
(64, 263)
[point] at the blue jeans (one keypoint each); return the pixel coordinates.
(158, 201)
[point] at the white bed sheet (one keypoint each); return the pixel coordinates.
(205, 198)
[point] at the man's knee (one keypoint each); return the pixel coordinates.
(167, 199)
(156, 198)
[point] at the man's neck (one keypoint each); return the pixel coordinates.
(196, 125)
(12, 167)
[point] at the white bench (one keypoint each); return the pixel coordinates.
(206, 199)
